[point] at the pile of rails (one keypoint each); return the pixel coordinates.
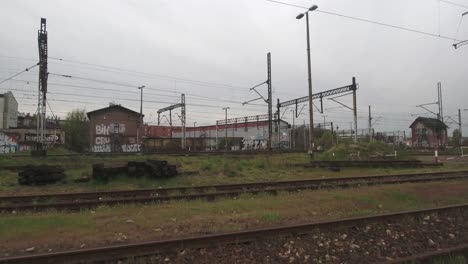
(148, 168)
(40, 174)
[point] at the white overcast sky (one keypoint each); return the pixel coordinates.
(222, 46)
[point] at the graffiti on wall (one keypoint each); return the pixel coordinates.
(48, 139)
(8, 143)
(111, 138)
(106, 130)
(254, 142)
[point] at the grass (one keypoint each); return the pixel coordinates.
(183, 218)
(211, 170)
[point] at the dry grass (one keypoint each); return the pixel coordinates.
(212, 170)
(102, 226)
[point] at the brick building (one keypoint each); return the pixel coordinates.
(429, 133)
(114, 129)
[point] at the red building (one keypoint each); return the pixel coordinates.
(429, 133)
(114, 129)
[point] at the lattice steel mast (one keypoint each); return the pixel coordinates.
(42, 95)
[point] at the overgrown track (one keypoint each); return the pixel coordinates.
(220, 241)
(370, 163)
(77, 201)
(171, 153)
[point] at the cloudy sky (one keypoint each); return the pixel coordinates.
(214, 50)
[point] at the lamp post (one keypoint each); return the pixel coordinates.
(140, 119)
(311, 117)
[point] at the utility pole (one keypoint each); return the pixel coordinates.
(193, 139)
(460, 131)
(140, 120)
(216, 135)
(170, 122)
(355, 109)
(278, 123)
(270, 102)
(370, 125)
(311, 107)
(42, 95)
(225, 128)
(324, 123)
(183, 119)
(293, 139)
(439, 101)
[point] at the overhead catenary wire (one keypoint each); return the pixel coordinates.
(25, 70)
(367, 21)
(452, 3)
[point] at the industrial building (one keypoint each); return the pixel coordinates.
(248, 135)
(114, 129)
(9, 111)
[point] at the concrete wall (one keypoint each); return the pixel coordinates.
(22, 139)
(113, 130)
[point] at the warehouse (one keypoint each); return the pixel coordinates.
(114, 129)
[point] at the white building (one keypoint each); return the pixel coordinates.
(9, 111)
(251, 134)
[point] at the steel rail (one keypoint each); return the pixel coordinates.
(174, 245)
(426, 257)
(220, 187)
(222, 191)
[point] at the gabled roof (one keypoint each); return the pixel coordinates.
(433, 123)
(112, 107)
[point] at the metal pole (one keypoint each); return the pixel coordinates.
(311, 113)
(278, 122)
(270, 101)
(305, 140)
(183, 111)
(193, 139)
(370, 125)
(140, 120)
(225, 128)
(460, 132)
(355, 109)
(293, 138)
(216, 147)
(170, 121)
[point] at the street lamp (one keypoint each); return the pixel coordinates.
(311, 117)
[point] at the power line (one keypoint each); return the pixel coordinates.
(152, 74)
(367, 21)
(134, 86)
(452, 3)
(157, 76)
(25, 70)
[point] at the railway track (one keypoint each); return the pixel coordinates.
(447, 219)
(77, 201)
